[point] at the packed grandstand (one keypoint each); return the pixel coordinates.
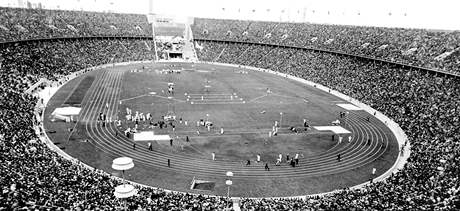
(400, 72)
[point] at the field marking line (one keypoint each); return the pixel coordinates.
(133, 97)
(209, 94)
(297, 98)
(215, 99)
(182, 101)
(144, 95)
(262, 96)
(216, 102)
(262, 134)
(280, 95)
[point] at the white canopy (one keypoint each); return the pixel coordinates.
(123, 163)
(150, 136)
(334, 129)
(67, 111)
(124, 191)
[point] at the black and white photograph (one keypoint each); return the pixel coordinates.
(229, 105)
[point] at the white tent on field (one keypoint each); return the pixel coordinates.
(65, 113)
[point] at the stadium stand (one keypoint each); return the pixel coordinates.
(22, 24)
(57, 58)
(417, 47)
(169, 29)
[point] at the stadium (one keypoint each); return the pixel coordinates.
(309, 106)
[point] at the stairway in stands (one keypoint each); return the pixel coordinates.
(189, 48)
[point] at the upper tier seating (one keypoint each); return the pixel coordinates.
(416, 47)
(21, 24)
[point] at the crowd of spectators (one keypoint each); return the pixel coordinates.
(22, 24)
(418, 47)
(23, 64)
(169, 29)
(425, 105)
(34, 176)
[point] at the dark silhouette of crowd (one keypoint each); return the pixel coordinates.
(425, 105)
(417, 47)
(22, 24)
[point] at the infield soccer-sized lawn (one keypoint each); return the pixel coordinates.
(237, 103)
